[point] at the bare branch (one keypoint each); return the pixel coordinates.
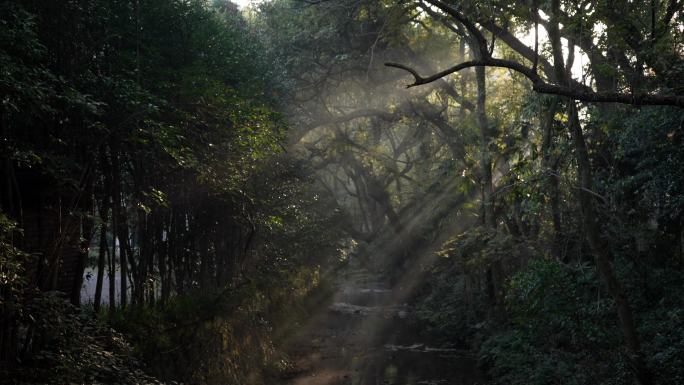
(489, 62)
(541, 86)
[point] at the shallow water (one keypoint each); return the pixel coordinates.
(361, 337)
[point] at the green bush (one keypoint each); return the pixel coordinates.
(560, 329)
(222, 337)
(65, 345)
(563, 329)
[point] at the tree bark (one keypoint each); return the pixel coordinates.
(104, 217)
(485, 155)
(550, 166)
(603, 260)
(117, 217)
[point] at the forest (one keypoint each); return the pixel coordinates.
(342, 192)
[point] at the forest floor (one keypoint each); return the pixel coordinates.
(362, 335)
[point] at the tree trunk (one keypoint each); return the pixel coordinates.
(104, 217)
(550, 166)
(116, 219)
(86, 233)
(603, 260)
(112, 270)
(485, 155)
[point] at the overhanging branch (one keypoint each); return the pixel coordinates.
(539, 85)
(420, 80)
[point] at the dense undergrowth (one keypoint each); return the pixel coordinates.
(226, 337)
(555, 322)
(74, 348)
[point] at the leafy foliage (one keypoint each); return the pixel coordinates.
(74, 349)
(156, 123)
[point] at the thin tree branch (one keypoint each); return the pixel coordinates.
(541, 86)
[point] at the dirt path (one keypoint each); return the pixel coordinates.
(360, 337)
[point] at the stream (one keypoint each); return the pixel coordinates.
(362, 336)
